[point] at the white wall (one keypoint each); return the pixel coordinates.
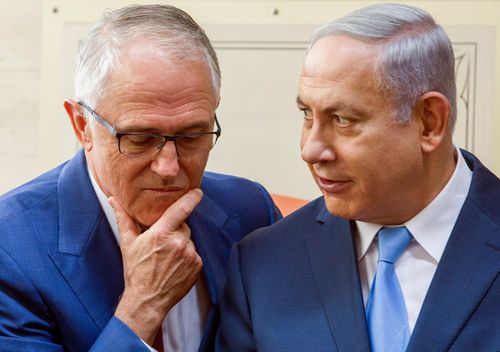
(20, 48)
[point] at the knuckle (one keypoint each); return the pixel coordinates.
(198, 263)
(186, 229)
(185, 210)
(177, 243)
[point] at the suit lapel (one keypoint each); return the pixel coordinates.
(334, 266)
(467, 268)
(213, 233)
(88, 256)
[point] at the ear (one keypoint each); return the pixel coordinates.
(80, 126)
(433, 110)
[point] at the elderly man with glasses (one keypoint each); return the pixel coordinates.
(123, 247)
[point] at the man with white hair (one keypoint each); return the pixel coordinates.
(77, 275)
(401, 253)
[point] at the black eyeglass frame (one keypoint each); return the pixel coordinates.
(166, 138)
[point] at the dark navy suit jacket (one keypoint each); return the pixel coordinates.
(294, 286)
(61, 270)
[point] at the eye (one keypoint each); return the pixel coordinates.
(306, 113)
(193, 141)
(139, 140)
(190, 138)
(342, 121)
(138, 143)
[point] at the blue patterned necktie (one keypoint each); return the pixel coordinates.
(386, 310)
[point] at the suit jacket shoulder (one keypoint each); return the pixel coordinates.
(291, 228)
(460, 310)
(242, 196)
(29, 195)
(28, 215)
(485, 188)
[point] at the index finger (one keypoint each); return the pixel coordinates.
(178, 212)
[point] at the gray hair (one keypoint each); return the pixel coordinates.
(416, 55)
(171, 29)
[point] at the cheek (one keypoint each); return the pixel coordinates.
(311, 170)
(368, 162)
(104, 162)
(194, 168)
(390, 167)
(125, 176)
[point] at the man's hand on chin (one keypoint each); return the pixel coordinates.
(160, 265)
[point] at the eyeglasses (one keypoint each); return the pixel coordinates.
(134, 143)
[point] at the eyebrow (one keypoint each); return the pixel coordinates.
(299, 101)
(335, 107)
(146, 129)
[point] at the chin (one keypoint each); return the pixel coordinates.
(334, 210)
(147, 216)
(332, 206)
(338, 208)
(147, 220)
(150, 209)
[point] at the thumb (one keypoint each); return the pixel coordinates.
(126, 225)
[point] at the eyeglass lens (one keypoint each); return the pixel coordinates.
(187, 145)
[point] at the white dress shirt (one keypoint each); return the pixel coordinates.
(431, 229)
(184, 324)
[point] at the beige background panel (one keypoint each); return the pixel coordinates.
(20, 46)
(258, 110)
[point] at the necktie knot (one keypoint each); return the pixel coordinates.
(392, 241)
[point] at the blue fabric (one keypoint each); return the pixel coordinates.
(61, 270)
(386, 312)
(294, 286)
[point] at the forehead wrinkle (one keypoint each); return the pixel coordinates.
(314, 90)
(171, 116)
(338, 57)
(160, 101)
(150, 78)
(333, 96)
(152, 101)
(127, 91)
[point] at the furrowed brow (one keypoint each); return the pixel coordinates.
(300, 102)
(192, 127)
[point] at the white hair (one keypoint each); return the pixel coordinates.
(416, 55)
(175, 33)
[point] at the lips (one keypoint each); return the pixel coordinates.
(164, 189)
(332, 186)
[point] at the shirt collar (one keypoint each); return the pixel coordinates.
(366, 234)
(431, 228)
(106, 207)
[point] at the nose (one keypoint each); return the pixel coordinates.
(316, 145)
(165, 162)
